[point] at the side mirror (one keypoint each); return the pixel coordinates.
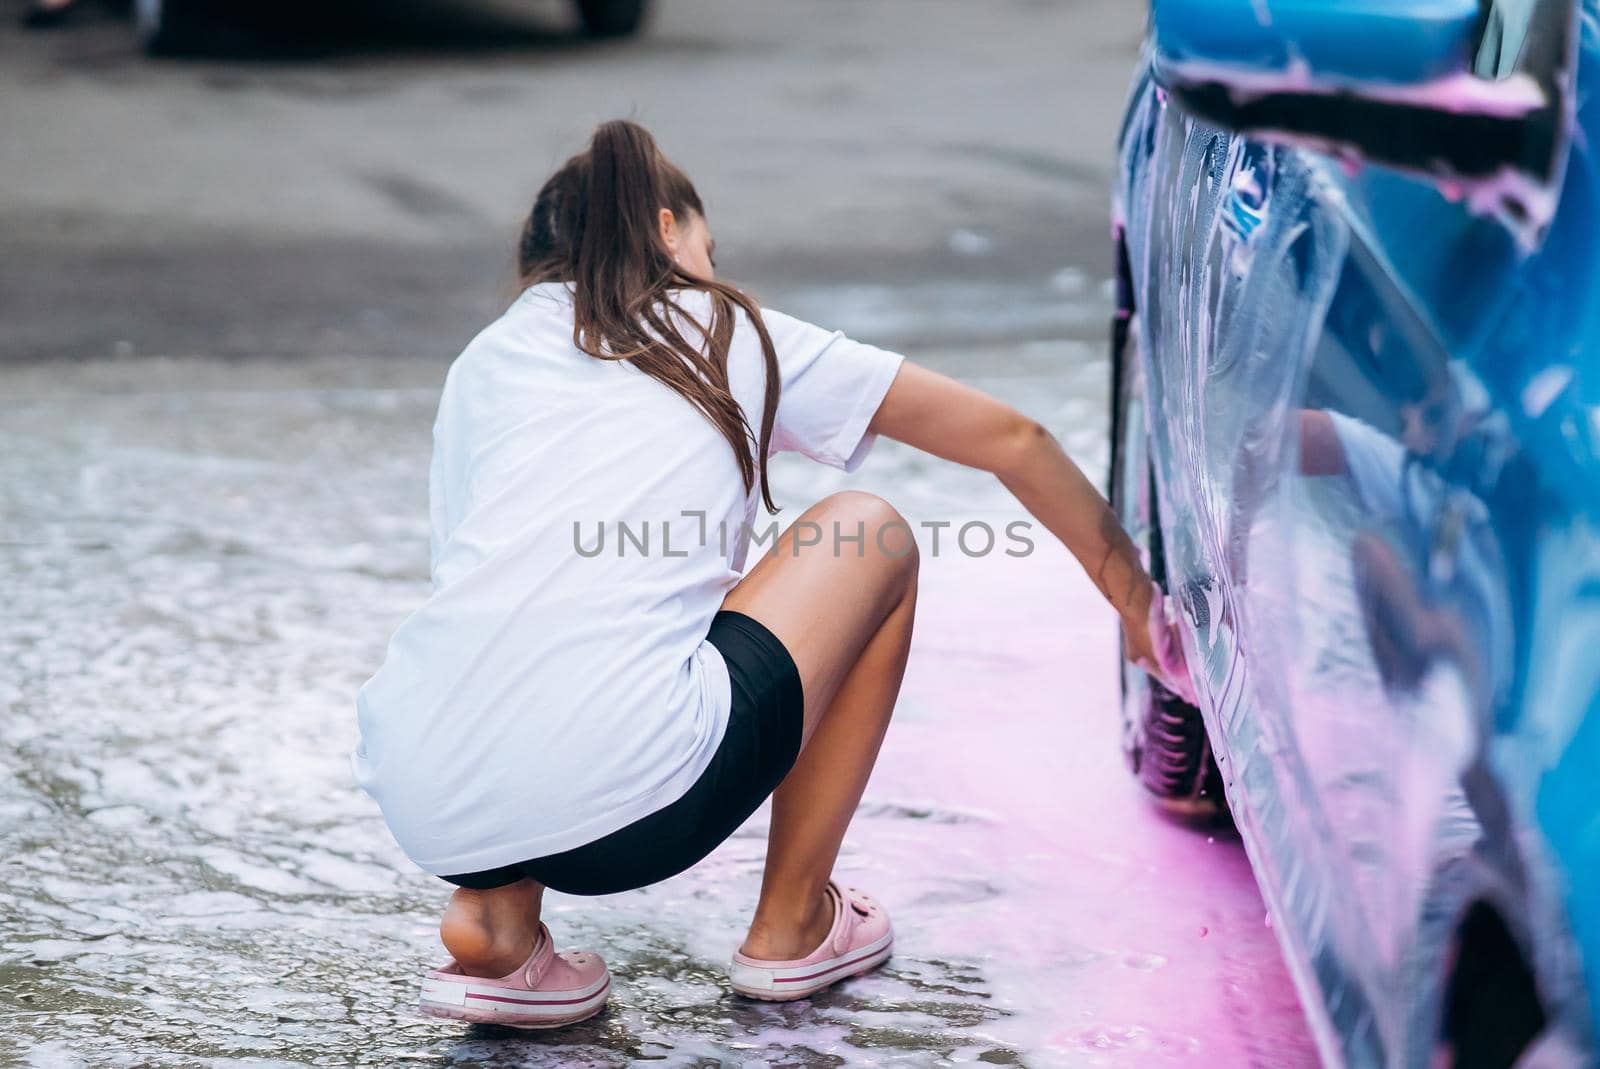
(1476, 92)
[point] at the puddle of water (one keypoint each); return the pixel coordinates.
(203, 563)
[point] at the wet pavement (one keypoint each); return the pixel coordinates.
(363, 196)
(204, 560)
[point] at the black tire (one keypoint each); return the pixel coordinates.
(1164, 737)
(612, 18)
(174, 27)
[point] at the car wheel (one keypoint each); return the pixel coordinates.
(1164, 737)
(611, 18)
(172, 27)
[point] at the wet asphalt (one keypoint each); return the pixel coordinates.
(228, 293)
(358, 190)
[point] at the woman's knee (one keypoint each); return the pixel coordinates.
(867, 524)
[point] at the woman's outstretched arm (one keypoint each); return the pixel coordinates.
(958, 423)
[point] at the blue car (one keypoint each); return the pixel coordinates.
(1357, 433)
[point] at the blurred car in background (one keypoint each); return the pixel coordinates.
(177, 27)
(1357, 432)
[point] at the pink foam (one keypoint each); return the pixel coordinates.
(1118, 937)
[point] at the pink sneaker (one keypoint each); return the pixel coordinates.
(549, 990)
(859, 942)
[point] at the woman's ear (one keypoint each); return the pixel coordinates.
(669, 230)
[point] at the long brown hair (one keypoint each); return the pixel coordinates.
(596, 225)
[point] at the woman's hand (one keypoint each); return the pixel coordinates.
(1138, 643)
(1155, 645)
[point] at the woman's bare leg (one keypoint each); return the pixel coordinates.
(490, 933)
(843, 609)
(840, 593)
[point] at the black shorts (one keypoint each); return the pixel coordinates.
(758, 750)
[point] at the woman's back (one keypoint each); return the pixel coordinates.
(587, 523)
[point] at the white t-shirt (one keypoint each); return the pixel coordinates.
(557, 685)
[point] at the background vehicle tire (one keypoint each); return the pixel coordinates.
(612, 18)
(1164, 737)
(173, 27)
